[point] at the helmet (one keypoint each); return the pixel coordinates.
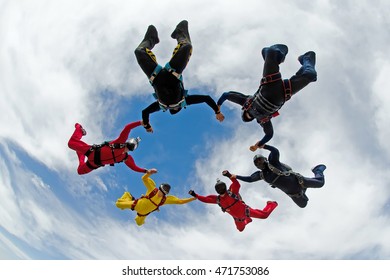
(132, 143)
(246, 117)
(259, 161)
(220, 187)
(174, 110)
(165, 188)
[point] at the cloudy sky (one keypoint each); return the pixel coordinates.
(63, 62)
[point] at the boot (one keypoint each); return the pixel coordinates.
(319, 170)
(150, 39)
(181, 32)
(280, 49)
(308, 61)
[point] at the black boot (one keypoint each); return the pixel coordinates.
(318, 170)
(150, 39)
(308, 61)
(279, 49)
(181, 32)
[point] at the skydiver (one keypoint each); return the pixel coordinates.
(273, 91)
(111, 152)
(167, 81)
(151, 201)
(281, 176)
(231, 202)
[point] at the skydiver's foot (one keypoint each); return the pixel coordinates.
(280, 51)
(77, 125)
(318, 169)
(151, 35)
(181, 31)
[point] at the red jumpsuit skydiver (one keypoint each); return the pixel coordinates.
(231, 203)
(108, 154)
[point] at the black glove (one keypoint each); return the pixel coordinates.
(226, 173)
(191, 192)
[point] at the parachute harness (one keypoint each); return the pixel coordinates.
(149, 196)
(97, 156)
(236, 198)
(286, 173)
(182, 103)
(262, 103)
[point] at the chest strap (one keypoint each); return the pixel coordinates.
(97, 156)
(232, 195)
(149, 196)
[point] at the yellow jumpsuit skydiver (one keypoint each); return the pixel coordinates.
(148, 203)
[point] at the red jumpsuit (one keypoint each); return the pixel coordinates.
(237, 208)
(107, 154)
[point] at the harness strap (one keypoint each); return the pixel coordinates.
(234, 196)
(247, 214)
(270, 78)
(151, 194)
(287, 89)
(155, 73)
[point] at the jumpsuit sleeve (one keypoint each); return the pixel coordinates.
(223, 98)
(252, 178)
(125, 132)
(148, 182)
(175, 200)
(131, 164)
(154, 107)
(196, 99)
(207, 199)
(274, 155)
(268, 132)
(235, 186)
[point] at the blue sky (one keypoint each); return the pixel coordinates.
(72, 61)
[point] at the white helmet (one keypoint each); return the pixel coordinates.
(132, 143)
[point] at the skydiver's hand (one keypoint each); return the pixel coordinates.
(151, 171)
(150, 129)
(226, 173)
(220, 117)
(253, 148)
(191, 192)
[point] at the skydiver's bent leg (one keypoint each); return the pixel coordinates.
(182, 53)
(143, 53)
(125, 202)
(240, 224)
(300, 199)
(233, 96)
(263, 214)
(306, 74)
(319, 180)
(79, 146)
(273, 56)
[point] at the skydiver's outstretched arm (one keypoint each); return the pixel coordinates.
(268, 130)
(250, 179)
(154, 107)
(126, 131)
(233, 96)
(197, 98)
(274, 155)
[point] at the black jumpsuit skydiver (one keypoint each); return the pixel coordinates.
(273, 91)
(167, 81)
(291, 183)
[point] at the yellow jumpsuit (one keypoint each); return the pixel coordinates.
(144, 205)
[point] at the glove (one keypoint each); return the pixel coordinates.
(191, 192)
(226, 173)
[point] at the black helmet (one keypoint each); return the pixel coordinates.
(259, 161)
(220, 187)
(132, 143)
(165, 188)
(246, 117)
(174, 110)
